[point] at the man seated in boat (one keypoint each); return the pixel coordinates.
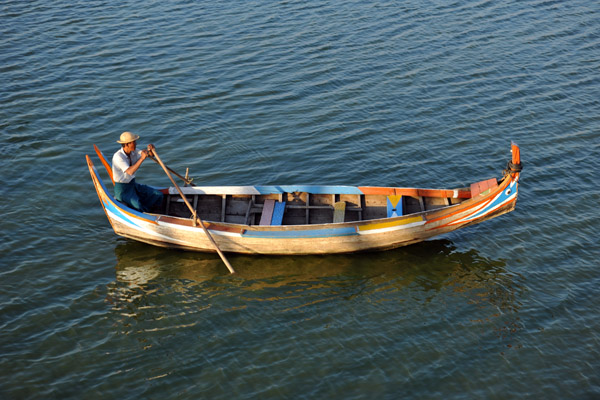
(125, 164)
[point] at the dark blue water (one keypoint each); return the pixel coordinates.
(425, 94)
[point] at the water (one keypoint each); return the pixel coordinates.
(361, 93)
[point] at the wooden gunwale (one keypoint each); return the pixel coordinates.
(461, 193)
(416, 192)
(474, 202)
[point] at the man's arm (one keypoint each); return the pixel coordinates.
(131, 170)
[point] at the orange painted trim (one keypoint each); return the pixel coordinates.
(385, 191)
(410, 192)
(465, 222)
(413, 192)
(483, 202)
(105, 163)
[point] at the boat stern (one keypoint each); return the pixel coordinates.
(124, 220)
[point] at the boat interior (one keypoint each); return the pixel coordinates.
(306, 208)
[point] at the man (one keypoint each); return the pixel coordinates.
(125, 164)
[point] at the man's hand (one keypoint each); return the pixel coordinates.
(150, 148)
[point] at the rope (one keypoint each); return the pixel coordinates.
(513, 168)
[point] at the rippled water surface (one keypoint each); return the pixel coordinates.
(411, 93)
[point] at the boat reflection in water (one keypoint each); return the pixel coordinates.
(415, 273)
(453, 294)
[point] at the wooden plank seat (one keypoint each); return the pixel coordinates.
(272, 213)
(267, 212)
(339, 212)
(277, 218)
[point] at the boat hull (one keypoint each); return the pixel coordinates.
(329, 238)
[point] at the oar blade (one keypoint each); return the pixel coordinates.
(105, 163)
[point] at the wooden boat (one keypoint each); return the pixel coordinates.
(296, 219)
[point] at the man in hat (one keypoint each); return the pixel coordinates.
(125, 164)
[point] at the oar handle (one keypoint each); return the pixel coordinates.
(186, 180)
(194, 215)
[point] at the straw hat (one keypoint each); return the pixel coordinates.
(127, 137)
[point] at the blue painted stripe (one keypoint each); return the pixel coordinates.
(314, 189)
(502, 198)
(304, 234)
(120, 206)
(116, 211)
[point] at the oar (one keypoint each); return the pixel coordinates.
(186, 180)
(196, 218)
(105, 163)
